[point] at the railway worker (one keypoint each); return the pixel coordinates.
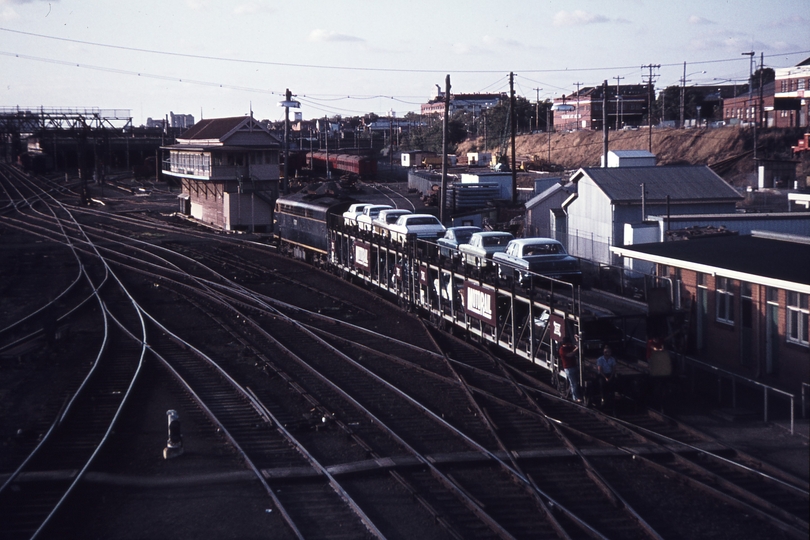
(606, 368)
(568, 362)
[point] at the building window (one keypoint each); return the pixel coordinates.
(798, 315)
(724, 296)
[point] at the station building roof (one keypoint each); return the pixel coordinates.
(772, 259)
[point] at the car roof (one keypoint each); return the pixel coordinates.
(492, 233)
(422, 216)
(524, 241)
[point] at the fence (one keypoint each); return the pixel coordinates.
(734, 378)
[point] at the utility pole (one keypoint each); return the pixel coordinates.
(750, 55)
(683, 94)
(537, 109)
(604, 124)
(512, 121)
(618, 99)
(548, 134)
(578, 123)
(326, 143)
(391, 139)
(287, 103)
(650, 100)
(446, 119)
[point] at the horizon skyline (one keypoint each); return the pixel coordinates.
(343, 62)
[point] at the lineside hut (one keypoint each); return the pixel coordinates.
(228, 170)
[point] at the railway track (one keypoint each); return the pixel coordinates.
(326, 409)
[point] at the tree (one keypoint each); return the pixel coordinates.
(765, 74)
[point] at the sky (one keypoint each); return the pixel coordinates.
(215, 58)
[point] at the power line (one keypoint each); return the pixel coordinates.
(348, 68)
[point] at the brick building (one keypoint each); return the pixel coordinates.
(228, 169)
(745, 300)
(626, 106)
(783, 103)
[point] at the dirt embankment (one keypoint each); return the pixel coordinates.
(729, 151)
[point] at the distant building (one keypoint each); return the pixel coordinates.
(745, 299)
(228, 170)
(474, 103)
(181, 121)
(626, 106)
(783, 103)
(792, 96)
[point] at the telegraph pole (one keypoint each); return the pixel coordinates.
(618, 99)
(287, 103)
(512, 120)
(578, 123)
(446, 119)
(683, 95)
(604, 124)
(750, 56)
(537, 109)
(650, 100)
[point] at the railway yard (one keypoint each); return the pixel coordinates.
(309, 406)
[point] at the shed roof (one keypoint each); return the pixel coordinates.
(212, 128)
(632, 153)
(221, 129)
(680, 183)
(779, 257)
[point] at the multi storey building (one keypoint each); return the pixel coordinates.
(626, 106)
(228, 169)
(474, 103)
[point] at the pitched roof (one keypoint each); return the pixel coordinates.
(212, 128)
(680, 183)
(218, 131)
(782, 258)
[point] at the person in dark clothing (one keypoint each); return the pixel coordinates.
(568, 363)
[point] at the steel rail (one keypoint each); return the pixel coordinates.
(125, 398)
(213, 418)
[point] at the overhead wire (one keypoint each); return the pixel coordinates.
(353, 68)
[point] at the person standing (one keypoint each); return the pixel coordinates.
(606, 367)
(568, 363)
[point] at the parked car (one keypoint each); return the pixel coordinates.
(453, 237)
(387, 218)
(482, 246)
(424, 226)
(526, 256)
(370, 212)
(350, 216)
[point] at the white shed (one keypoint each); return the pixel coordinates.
(629, 158)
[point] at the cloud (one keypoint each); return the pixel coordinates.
(577, 18)
(319, 35)
(730, 44)
(251, 8)
(696, 19)
(492, 41)
(8, 14)
(793, 20)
